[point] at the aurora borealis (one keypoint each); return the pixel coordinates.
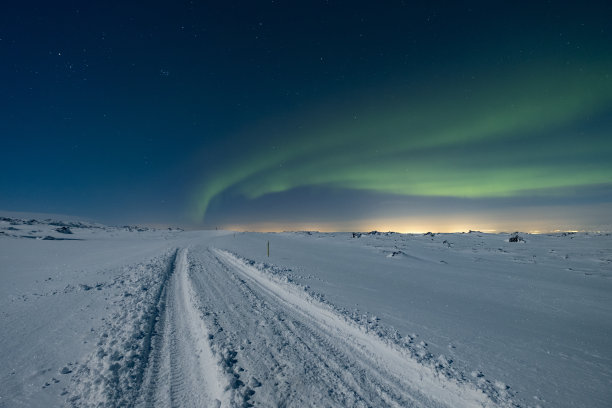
(326, 115)
(490, 146)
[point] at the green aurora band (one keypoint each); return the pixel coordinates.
(526, 133)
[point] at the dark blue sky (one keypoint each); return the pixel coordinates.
(278, 114)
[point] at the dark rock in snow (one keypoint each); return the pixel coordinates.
(516, 238)
(64, 230)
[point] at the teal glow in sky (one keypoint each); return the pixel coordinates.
(321, 115)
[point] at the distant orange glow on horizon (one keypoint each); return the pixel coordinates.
(534, 220)
(400, 226)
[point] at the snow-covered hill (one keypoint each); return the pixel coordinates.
(102, 316)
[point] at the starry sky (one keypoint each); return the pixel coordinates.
(329, 115)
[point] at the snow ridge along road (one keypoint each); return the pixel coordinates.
(182, 371)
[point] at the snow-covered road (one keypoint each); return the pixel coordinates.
(224, 333)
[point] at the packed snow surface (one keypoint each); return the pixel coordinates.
(103, 316)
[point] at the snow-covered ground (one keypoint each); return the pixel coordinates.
(102, 316)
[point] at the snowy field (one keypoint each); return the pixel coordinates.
(92, 315)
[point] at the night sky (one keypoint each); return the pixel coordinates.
(328, 115)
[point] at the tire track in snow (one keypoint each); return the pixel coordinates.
(358, 369)
(182, 371)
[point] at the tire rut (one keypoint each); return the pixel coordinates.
(182, 371)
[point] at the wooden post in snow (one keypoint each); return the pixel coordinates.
(268, 249)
